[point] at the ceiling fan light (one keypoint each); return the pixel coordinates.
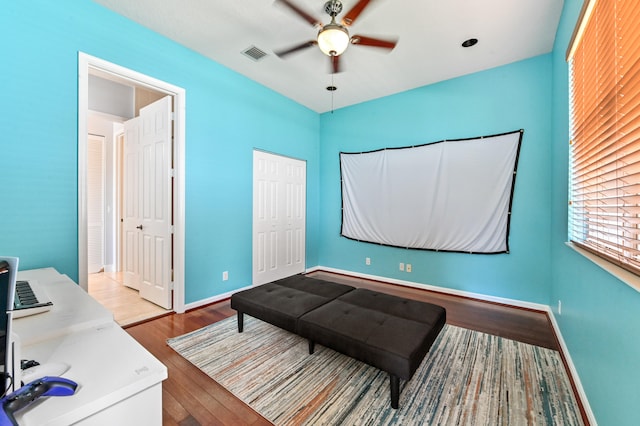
(333, 39)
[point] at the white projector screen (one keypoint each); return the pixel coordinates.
(445, 196)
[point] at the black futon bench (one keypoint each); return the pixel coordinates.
(388, 332)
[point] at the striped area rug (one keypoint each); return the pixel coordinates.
(467, 378)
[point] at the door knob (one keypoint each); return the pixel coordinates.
(139, 227)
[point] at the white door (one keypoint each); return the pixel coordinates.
(95, 203)
(148, 201)
(131, 218)
(279, 217)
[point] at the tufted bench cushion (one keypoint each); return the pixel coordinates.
(388, 332)
(282, 302)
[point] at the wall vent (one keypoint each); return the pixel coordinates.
(254, 53)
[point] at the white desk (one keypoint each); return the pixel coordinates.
(120, 382)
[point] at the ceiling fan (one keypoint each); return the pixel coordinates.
(333, 38)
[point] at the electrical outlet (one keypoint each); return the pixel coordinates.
(559, 307)
(401, 266)
(225, 275)
(367, 261)
(408, 267)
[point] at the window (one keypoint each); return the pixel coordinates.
(604, 74)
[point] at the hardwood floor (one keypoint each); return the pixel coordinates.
(519, 324)
(190, 397)
(125, 303)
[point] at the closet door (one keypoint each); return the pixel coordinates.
(279, 216)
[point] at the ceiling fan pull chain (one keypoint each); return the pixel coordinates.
(332, 92)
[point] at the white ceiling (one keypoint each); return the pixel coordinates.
(429, 33)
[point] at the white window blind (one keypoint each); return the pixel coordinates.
(604, 67)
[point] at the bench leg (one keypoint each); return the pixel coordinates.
(394, 384)
(312, 346)
(240, 322)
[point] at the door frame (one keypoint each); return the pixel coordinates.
(102, 140)
(87, 64)
(118, 140)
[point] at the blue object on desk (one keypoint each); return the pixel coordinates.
(29, 393)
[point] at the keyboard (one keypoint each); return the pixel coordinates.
(30, 299)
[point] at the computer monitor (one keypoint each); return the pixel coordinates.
(8, 272)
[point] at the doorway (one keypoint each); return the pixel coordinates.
(147, 202)
(91, 66)
(107, 212)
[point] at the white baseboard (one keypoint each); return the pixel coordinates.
(479, 296)
(511, 302)
(213, 299)
(572, 370)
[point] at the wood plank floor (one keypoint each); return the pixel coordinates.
(519, 324)
(190, 397)
(125, 303)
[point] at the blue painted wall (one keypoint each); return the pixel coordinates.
(38, 174)
(227, 116)
(512, 97)
(600, 318)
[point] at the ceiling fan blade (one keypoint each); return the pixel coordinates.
(297, 48)
(373, 42)
(355, 11)
(335, 64)
(301, 13)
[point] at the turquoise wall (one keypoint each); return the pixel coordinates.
(511, 97)
(600, 318)
(38, 174)
(227, 116)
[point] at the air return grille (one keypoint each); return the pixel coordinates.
(254, 53)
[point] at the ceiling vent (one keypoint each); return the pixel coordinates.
(254, 53)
